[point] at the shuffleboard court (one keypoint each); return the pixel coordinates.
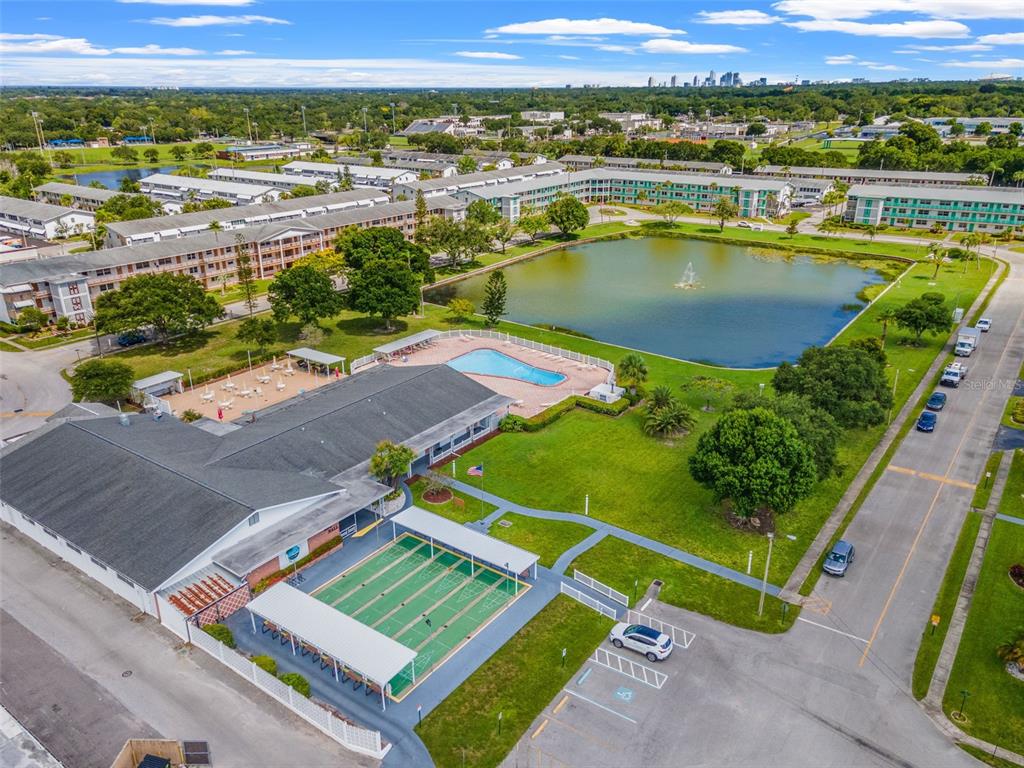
(426, 597)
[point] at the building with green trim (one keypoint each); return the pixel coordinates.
(955, 209)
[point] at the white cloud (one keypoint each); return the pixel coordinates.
(233, 52)
(963, 47)
(749, 17)
(987, 64)
(44, 18)
(661, 45)
(569, 58)
(1008, 38)
(917, 29)
(846, 58)
(232, 3)
(616, 48)
(209, 20)
(941, 9)
(850, 60)
(487, 55)
(156, 50)
(584, 27)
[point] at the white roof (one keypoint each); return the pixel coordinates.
(205, 185)
(362, 649)
(339, 168)
(313, 355)
(406, 342)
(165, 377)
(483, 547)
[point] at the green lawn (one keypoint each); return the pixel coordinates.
(468, 511)
(50, 340)
(983, 491)
(985, 757)
(1011, 405)
(933, 637)
(621, 565)
(547, 538)
(233, 293)
(517, 682)
(5, 347)
(995, 707)
(100, 156)
(1012, 502)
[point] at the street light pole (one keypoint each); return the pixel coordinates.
(394, 128)
(248, 125)
(305, 132)
(764, 582)
(364, 121)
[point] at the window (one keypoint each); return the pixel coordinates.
(28, 520)
(126, 581)
(73, 289)
(97, 562)
(106, 287)
(254, 518)
(72, 547)
(104, 272)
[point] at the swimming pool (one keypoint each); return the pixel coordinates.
(491, 362)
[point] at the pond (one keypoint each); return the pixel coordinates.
(112, 179)
(741, 307)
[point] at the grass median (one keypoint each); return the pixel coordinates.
(547, 538)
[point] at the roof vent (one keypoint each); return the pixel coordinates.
(124, 420)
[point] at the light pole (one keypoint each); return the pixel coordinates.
(364, 121)
(304, 131)
(394, 128)
(256, 127)
(764, 582)
(247, 123)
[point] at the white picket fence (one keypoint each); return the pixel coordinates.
(633, 669)
(597, 586)
(362, 362)
(680, 636)
(362, 740)
(588, 601)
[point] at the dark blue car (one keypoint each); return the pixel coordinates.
(926, 422)
(130, 338)
(936, 402)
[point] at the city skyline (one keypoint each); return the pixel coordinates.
(456, 44)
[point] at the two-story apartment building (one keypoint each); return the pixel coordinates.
(955, 209)
(31, 218)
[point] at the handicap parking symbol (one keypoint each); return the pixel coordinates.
(623, 693)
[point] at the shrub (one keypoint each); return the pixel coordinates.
(220, 632)
(275, 577)
(266, 663)
(1017, 414)
(512, 423)
(296, 681)
(190, 415)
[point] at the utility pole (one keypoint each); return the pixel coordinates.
(247, 123)
(39, 134)
(364, 121)
(394, 129)
(764, 582)
(305, 133)
(257, 127)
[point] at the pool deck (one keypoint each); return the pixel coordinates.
(529, 399)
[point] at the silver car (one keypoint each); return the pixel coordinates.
(838, 560)
(651, 643)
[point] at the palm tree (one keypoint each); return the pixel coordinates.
(885, 316)
(1018, 177)
(661, 396)
(935, 255)
(632, 371)
(216, 227)
(1012, 652)
(669, 420)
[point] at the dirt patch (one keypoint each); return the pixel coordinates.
(762, 522)
(1017, 575)
(438, 497)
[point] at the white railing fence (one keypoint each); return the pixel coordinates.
(362, 740)
(590, 602)
(597, 586)
(680, 636)
(362, 362)
(630, 668)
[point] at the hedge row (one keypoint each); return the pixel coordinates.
(220, 632)
(515, 423)
(277, 576)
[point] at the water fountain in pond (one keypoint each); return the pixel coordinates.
(689, 280)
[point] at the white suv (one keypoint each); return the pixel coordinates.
(651, 643)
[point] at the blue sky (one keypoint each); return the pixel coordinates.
(436, 43)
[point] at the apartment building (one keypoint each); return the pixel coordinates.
(73, 195)
(245, 152)
(283, 181)
(68, 285)
(31, 218)
(869, 176)
(183, 189)
(362, 175)
(454, 184)
(955, 209)
(583, 162)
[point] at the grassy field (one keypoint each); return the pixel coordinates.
(983, 491)
(460, 508)
(554, 468)
(995, 706)
(233, 293)
(621, 565)
(44, 342)
(5, 347)
(933, 637)
(547, 538)
(1012, 503)
(100, 156)
(517, 682)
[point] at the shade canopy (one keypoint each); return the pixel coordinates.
(484, 548)
(314, 356)
(156, 380)
(360, 648)
(409, 341)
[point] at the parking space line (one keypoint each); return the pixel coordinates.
(584, 676)
(600, 706)
(831, 629)
(540, 729)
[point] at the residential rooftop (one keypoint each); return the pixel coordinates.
(927, 192)
(32, 209)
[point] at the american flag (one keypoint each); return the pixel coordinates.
(477, 471)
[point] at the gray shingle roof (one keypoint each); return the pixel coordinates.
(77, 191)
(31, 209)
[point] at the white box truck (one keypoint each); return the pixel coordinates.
(966, 341)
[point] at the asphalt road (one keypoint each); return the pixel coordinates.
(834, 690)
(66, 646)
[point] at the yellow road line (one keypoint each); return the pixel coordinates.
(540, 730)
(12, 414)
(561, 704)
(930, 476)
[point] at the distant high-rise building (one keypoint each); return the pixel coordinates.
(673, 81)
(650, 82)
(696, 81)
(762, 81)
(711, 77)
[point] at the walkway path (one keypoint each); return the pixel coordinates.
(504, 505)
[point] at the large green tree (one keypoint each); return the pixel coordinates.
(483, 212)
(568, 214)
(169, 303)
(358, 245)
(818, 429)
(495, 297)
(846, 382)
(723, 210)
(102, 381)
(928, 312)
(755, 459)
(384, 287)
(306, 292)
(261, 332)
(127, 207)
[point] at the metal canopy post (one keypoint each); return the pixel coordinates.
(252, 617)
(383, 699)
(394, 531)
(472, 565)
(291, 637)
(414, 671)
(335, 669)
(431, 547)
